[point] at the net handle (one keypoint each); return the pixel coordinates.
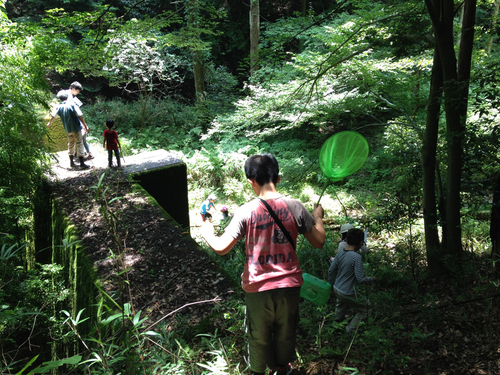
(328, 182)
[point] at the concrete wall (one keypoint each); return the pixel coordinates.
(168, 186)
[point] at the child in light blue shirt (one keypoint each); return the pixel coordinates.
(206, 206)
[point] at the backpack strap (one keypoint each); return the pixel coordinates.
(278, 221)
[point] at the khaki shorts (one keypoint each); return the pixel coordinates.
(272, 318)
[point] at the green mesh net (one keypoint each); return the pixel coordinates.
(343, 154)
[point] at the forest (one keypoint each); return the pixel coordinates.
(215, 81)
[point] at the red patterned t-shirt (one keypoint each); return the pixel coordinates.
(271, 261)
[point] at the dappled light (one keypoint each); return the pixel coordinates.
(385, 113)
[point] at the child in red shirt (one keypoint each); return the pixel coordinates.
(111, 143)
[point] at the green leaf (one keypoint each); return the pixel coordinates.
(151, 333)
(50, 365)
(112, 318)
(27, 365)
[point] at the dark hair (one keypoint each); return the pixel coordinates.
(262, 168)
(76, 85)
(110, 123)
(355, 236)
(62, 95)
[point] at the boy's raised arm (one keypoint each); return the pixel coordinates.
(316, 236)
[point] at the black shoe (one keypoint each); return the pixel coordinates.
(71, 161)
(82, 164)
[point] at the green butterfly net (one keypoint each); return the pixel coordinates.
(343, 154)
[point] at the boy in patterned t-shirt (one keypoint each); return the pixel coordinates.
(272, 276)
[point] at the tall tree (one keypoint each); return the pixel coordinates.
(495, 225)
(430, 166)
(455, 75)
(254, 35)
(493, 25)
(199, 77)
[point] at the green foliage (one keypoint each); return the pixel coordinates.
(122, 343)
(104, 38)
(7, 254)
(212, 167)
(3, 15)
(48, 366)
(359, 94)
(147, 124)
(222, 355)
(232, 262)
(33, 10)
(28, 299)
(118, 251)
(117, 344)
(222, 90)
(481, 155)
(138, 60)
(22, 150)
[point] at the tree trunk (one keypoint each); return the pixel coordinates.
(456, 128)
(493, 24)
(199, 77)
(254, 35)
(455, 90)
(444, 36)
(442, 13)
(429, 164)
(465, 54)
(441, 198)
(198, 70)
(495, 225)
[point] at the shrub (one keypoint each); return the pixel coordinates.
(152, 123)
(28, 300)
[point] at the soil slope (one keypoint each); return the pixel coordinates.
(167, 269)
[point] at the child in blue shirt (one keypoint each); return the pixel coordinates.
(206, 205)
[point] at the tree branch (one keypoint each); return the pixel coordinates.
(216, 299)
